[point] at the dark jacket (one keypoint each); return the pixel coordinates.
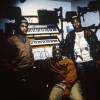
(90, 38)
(15, 54)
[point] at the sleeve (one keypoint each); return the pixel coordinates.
(95, 47)
(8, 52)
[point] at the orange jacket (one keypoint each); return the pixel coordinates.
(66, 69)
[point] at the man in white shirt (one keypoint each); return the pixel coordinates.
(83, 47)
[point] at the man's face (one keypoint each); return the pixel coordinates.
(57, 55)
(76, 24)
(24, 27)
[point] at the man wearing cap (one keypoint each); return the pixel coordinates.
(65, 72)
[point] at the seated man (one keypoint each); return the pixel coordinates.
(65, 69)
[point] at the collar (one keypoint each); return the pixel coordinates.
(22, 37)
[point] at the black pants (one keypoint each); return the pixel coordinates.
(16, 85)
(89, 79)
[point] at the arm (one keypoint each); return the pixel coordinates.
(71, 74)
(94, 45)
(70, 77)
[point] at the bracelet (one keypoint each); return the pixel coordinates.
(67, 84)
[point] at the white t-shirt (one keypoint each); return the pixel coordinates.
(81, 48)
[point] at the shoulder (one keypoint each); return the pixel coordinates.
(13, 39)
(7, 38)
(71, 32)
(88, 33)
(88, 30)
(71, 35)
(66, 60)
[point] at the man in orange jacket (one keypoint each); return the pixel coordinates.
(65, 69)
